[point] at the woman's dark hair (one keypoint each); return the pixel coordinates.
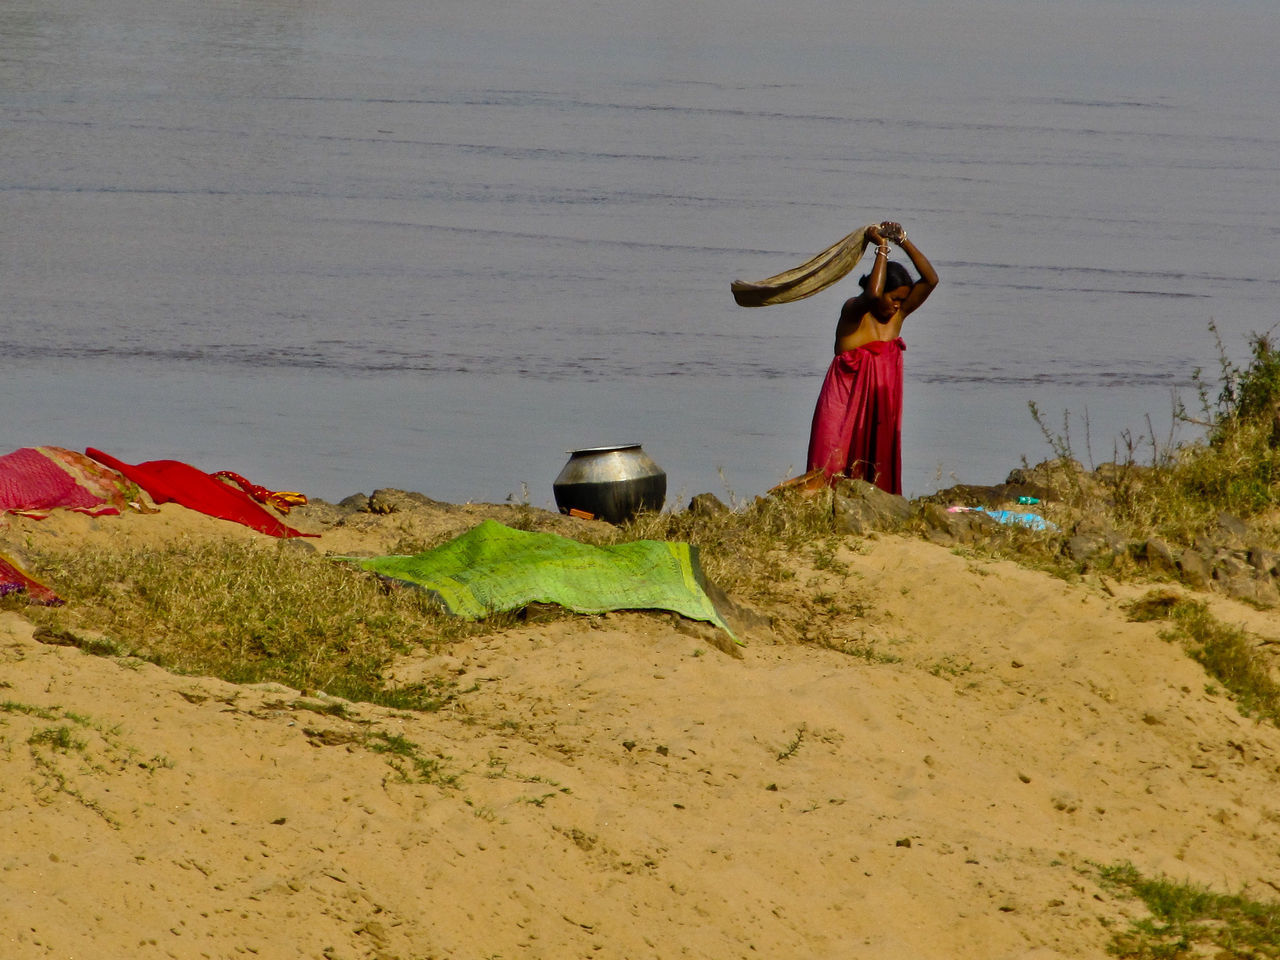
(895, 276)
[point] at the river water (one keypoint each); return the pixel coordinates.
(344, 244)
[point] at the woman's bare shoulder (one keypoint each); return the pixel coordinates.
(854, 305)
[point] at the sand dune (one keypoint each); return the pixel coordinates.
(616, 787)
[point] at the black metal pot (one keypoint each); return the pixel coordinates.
(611, 483)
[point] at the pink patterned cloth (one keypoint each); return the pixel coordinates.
(38, 479)
(857, 423)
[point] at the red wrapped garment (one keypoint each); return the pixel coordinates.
(857, 423)
(34, 480)
(172, 480)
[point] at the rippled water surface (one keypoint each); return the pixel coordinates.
(342, 245)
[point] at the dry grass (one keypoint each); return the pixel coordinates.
(745, 549)
(1177, 493)
(1235, 469)
(251, 612)
(247, 613)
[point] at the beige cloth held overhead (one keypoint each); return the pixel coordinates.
(808, 278)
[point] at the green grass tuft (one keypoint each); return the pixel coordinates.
(1228, 654)
(407, 759)
(1191, 921)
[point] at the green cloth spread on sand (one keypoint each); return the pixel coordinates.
(808, 278)
(492, 568)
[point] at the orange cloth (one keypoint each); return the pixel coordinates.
(282, 500)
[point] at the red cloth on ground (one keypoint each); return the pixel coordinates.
(172, 480)
(44, 478)
(857, 423)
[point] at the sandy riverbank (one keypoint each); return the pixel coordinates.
(617, 787)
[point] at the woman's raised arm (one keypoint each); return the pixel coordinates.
(921, 289)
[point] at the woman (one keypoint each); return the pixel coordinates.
(857, 424)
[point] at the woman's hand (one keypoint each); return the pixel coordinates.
(874, 235)
(892, 231)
